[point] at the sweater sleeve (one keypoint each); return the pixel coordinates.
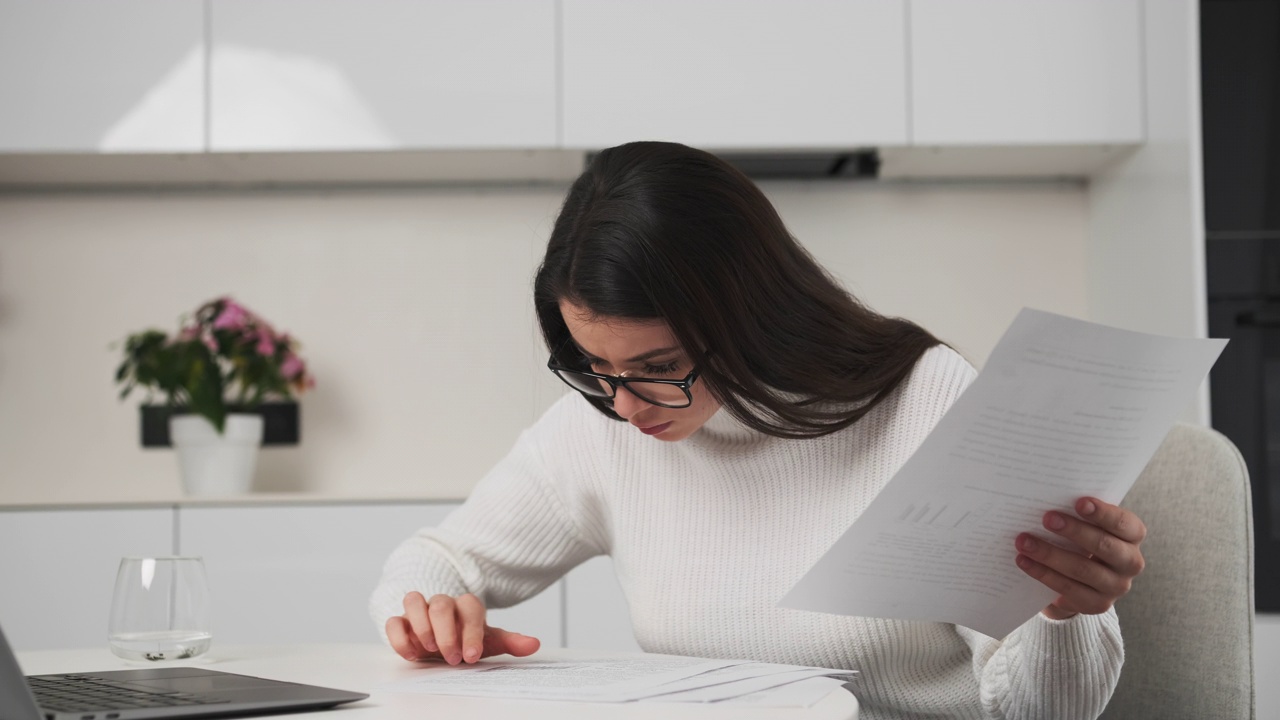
(1049, 669)
(520, 530)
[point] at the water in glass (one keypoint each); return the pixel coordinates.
(160, 610)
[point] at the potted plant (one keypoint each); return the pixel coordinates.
(223, 361)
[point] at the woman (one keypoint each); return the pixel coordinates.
(736, 411)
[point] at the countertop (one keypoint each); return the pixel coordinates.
(250, 499)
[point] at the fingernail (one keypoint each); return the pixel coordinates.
(1054, 521)
(454, 659)
(432, 647)
(1087, 507)
(1027, 543)
(472, 654)
(1023, 562)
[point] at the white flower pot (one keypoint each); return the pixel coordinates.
(213, 464)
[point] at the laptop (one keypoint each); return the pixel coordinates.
(151, 694)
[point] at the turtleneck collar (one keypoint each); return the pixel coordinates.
(723, 427)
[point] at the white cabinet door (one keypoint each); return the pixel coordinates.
(735, 75)
(1008, 72)
(382, 74)
(87, 75)
(304, 574)
(596, 613)
(58, 570)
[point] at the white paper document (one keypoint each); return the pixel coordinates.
(735, 682)
(623, 678)
(801, 693)
(1063, 408)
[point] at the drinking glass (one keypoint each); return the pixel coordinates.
(160, 610)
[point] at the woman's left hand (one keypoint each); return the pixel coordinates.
(1088, 583)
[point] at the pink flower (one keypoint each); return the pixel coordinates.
(232, 317)
(292, 368)
(266, 344)
(210, 343)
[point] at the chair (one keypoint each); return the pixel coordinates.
(1188, 621)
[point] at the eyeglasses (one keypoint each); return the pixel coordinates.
(663, 393)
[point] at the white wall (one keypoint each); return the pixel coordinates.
(1147, 210)
(415, 313)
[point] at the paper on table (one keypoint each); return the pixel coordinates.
(801, 693)
(738, 681)
(1063, 408)
(607, 679)
(623, 678)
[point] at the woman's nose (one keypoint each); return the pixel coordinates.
(627, 403)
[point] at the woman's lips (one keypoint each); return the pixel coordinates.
(655, 429)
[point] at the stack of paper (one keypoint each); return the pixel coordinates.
(634, 678)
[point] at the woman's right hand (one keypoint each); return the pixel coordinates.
(453, 630)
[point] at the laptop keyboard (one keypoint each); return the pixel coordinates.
(80, 693)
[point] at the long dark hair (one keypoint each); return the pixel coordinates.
(655, 230)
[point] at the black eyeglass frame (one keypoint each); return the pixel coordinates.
(615, 381)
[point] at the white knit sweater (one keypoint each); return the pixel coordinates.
(707, 534)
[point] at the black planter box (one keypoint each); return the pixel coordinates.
(279, 423)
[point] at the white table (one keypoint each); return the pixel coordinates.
(366, 668)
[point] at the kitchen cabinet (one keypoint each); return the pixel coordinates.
(942, 88)
(59, 570)
(304, 573)
(90, 76)
(1026, 72)
(293, 75)
(742, 75)
(277, 573)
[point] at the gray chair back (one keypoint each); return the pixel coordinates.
(1188, 621)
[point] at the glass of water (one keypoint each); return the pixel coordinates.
(160, 610)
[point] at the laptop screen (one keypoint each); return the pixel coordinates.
(16, 702)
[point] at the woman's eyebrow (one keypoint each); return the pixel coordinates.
(638, 358)
(653, 353)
